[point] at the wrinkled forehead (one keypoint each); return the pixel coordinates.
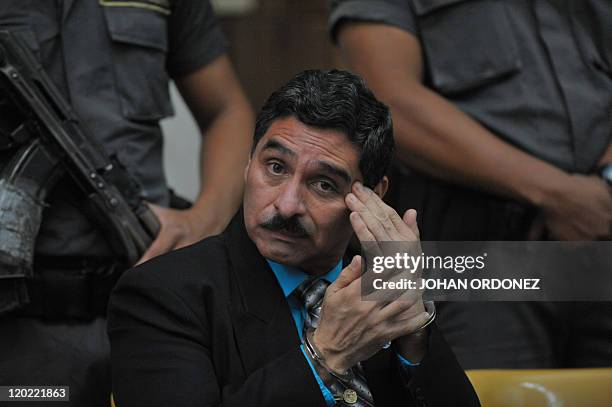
(302, 143)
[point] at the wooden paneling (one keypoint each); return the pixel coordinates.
(280, 38)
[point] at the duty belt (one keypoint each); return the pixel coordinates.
(70, 288)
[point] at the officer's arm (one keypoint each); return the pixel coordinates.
(437, 138)
(225, 119)
(432, 134)
(219, 106)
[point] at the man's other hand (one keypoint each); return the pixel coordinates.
(352, 329)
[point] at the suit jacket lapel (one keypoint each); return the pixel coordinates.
(264, 327)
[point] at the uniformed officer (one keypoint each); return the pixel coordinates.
(502, 112)
(112, 60)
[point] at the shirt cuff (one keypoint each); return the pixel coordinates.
(405, 362)
(327, 394)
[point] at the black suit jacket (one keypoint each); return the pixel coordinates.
(209, 325)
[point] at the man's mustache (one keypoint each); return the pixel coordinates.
(291, 226)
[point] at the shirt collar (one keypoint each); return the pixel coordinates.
(290, 278)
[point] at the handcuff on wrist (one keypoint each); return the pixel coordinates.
(316, 355)
(430, 307)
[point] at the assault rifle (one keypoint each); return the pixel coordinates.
(41, 140)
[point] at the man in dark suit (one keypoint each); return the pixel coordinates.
(215, 323)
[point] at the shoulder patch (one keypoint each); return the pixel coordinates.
(160, 6)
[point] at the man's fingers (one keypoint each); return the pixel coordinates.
(360, 228)
(410, 220)
(349, 274)
(372, 200)
(374, 226)
(409, 325)
(397, 307)
(403, 230)
(382, 221)
(377, 212)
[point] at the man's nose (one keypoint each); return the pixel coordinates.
(289, 201)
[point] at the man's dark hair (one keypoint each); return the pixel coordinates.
(337, 100)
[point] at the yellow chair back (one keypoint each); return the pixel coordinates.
(540, 388)
(543, 388)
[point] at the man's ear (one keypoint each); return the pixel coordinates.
(382, 187)
(246, 169)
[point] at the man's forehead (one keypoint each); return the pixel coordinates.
(292, 137)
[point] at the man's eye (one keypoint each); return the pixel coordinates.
(325, 186)
(276, 168)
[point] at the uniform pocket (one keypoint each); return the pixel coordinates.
(27, 37)
(594, 23)
(467, 43)
(140, 44)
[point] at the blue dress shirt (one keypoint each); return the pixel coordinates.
(289, 279)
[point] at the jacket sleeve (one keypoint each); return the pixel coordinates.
(438, 381)
(162, 354)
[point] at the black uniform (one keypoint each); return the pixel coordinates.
(112, 60)
(538, 74)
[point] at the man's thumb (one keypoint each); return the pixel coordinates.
(349, 274)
